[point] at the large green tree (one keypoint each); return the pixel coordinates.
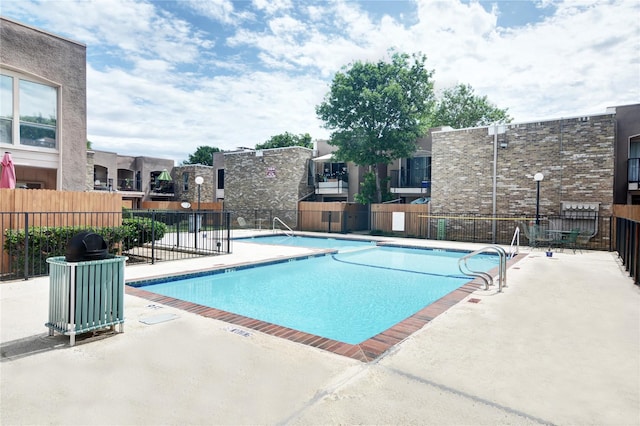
(287, 139)
(459, 107)
(203, 155)
(377, 111)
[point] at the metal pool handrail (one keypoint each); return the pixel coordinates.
(277, 219)
(486, 277)
(515, 241)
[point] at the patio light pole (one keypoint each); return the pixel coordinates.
(538, 178)
(196, 219)
(199, 181)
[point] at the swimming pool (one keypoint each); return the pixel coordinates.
(347, 297)
(311, 242)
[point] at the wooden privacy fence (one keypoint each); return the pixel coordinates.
(332, 217)
(407, 219)
(28, 208)
(45, 201)
(177, 205)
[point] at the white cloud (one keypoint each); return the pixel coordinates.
(218, 10)
(271, 7)
(160, 84)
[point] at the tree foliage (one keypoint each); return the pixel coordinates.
(287, 139)
(368, 192)
(377, 111)
(203, 155)
(459, 107)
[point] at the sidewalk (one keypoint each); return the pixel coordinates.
(560, 345)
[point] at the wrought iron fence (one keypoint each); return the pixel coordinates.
(150, 236)
(493, 230)
(144, 236)
(262, 218)
(627, 244)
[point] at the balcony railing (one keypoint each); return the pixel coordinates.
(633, 173)
(129, 185)
(406, 180)
(163, 188)
(332, 187)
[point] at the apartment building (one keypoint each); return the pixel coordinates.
(43, 109)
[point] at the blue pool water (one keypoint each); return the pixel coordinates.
(313, 242)
(348, 297)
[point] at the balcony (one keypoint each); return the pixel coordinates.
(633, 174)
(332, 187)
(404, 183)
(163, 189)
(128, 185)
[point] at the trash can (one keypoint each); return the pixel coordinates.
(86, 246)
(86, 288)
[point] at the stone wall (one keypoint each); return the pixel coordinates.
(189, 192)
(270, 179)
(576, 157)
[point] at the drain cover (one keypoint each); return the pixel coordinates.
(474, 300)
(157, 319)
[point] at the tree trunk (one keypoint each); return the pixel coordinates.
(378, 189)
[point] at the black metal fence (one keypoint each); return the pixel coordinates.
(498, 230)
(627, 244)
(144, 236)
(150, 236)
(263, 218)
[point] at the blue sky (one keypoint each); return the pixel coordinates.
(164, 77)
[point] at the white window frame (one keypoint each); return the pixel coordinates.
(15, 124)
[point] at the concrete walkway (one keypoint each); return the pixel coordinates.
(560, 345)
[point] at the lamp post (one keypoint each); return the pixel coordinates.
(538, 178)
(196, 221)
(199, 181)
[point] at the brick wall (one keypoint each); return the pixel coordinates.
(190, 193)
(575, 155)
(274, 180)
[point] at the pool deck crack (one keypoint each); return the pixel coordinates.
(469, 396)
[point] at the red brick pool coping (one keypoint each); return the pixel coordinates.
(366, 351)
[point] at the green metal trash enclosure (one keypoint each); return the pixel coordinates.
(85, 296)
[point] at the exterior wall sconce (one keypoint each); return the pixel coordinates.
(504, 144)
(538, 178)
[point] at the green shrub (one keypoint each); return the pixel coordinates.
(45, 242)
(140, 231)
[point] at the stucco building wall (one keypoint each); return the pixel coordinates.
(61, 63)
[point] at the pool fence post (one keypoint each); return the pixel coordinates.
(153, 236)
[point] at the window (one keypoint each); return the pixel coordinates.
(220, 178)
(633, 164)
(418, 170)
(28, 110)
(6, 109)
(185, 182)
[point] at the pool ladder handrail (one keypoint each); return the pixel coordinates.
(515, 242)
(277, 219)
(485, 276)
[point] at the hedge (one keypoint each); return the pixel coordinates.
(45, 242)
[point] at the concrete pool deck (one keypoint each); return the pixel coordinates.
(560, 345)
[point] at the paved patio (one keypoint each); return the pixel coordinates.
(560, 345)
